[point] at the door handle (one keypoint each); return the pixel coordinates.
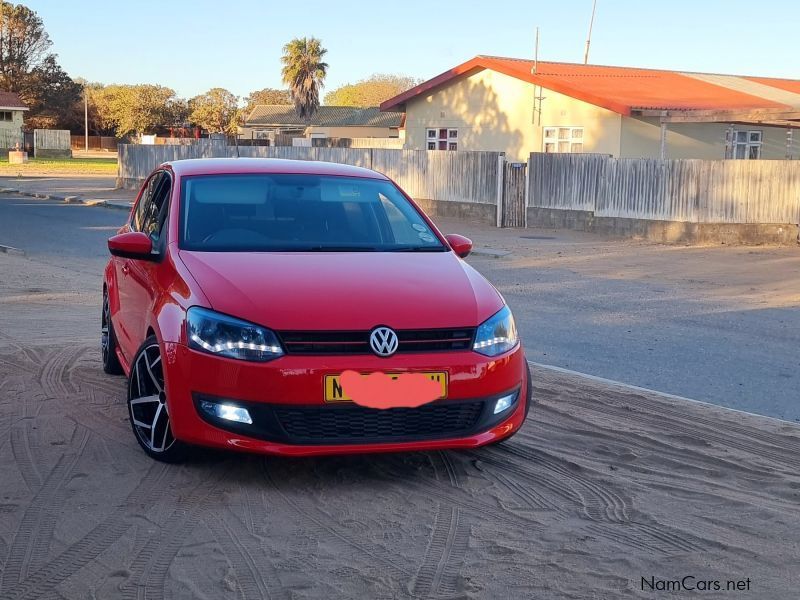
(125, 269)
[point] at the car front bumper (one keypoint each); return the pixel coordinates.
(290, 417)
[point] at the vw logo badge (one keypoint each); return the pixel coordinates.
(383, 341)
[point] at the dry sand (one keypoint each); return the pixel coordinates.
(604, 486)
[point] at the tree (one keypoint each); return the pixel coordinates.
(29, 69)
(266, 96)
(137, 109)
(304, 73)
(371, 91)
(216, 111)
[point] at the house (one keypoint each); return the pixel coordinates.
(265, 121)
(11, 109)
(522, 106)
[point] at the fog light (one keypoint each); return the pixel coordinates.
(229, 412)
(504, 403)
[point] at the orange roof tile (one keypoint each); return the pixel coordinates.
(620, 89)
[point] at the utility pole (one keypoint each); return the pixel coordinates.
(589, 38)
(85, 118)
(537, 96)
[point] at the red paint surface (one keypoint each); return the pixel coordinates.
(379, 390)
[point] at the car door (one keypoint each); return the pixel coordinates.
(143, 282)
(122, 267)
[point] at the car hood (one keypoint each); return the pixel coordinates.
(344, 290)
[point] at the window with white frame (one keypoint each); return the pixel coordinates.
(442, 138)
(562, 139)
(745, 145)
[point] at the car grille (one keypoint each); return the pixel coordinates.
(332, 424)
(357, 342)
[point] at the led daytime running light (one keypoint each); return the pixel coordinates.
(233, 345)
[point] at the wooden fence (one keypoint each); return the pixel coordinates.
(51, 143)
(442, 176)
(96, 142)
(51, 139)
(686, 190)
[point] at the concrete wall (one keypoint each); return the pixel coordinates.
(641, 138)
(665, 232)
(473, 212)
(493, 111)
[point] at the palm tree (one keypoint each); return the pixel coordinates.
(304, 73)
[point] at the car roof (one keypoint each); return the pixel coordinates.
(219, 166)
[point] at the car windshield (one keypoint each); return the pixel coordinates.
(301, 213)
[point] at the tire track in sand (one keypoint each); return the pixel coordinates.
(659, 415)
(150, 567)
(41, 582)
(444, 557)
(31, 533)
(319, 525)
(54, 378)
(608, 511)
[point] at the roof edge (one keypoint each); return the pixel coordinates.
(482, 62)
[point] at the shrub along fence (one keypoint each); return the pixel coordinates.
(667, 200)
(460, 184)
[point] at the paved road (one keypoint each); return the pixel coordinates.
(64, 234)
(89, 186)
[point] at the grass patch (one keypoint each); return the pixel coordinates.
(88, 166)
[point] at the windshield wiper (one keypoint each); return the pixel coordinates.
(417, 249)
(337, 249)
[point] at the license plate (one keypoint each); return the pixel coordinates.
(334, 392)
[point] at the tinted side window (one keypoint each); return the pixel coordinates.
(141, 208)
(156, 211)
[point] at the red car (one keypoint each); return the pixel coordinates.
(240, 290)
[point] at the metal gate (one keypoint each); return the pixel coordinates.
(513, 206)
(28, 142)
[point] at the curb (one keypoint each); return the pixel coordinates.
(11, 250)
(490, 252)
(74, 199)
(637, 388)
(108, 204)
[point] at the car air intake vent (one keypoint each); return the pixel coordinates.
(357, 342)
(352, 423)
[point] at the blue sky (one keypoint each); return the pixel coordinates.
(192, 46)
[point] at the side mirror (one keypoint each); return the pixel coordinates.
(461, 246)
(133, 244)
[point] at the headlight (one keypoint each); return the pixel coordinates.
(222, 335)
(497, 334)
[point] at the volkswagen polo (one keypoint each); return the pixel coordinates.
(250, 302)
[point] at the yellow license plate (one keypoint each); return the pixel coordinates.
(334, 392)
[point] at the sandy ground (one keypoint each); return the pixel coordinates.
(604, 486)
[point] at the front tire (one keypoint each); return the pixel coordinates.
(147, 405)
(108, 340)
